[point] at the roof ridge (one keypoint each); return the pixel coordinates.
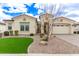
(65, 18)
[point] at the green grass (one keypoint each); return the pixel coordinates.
(15, 45)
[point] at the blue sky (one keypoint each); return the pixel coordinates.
(69, 10)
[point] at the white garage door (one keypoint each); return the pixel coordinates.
(60, 30)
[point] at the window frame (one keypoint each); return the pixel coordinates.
(25, 25)
(9, 27)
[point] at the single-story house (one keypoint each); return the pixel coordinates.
(25, 24)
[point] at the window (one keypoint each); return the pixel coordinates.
(24, 26)
(9, 27)
(27, 28)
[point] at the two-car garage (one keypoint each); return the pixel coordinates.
(61, 29)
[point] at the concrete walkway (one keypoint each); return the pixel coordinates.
(55, 46)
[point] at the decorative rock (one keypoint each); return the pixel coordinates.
(43, 42)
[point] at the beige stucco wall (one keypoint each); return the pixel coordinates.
(2, 28)
(16, 24)
(46, 18)
(6, 26)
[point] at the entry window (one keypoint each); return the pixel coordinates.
(24, 26)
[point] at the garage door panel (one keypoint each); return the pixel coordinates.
(60, 30)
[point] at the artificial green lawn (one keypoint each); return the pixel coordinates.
(15, 45)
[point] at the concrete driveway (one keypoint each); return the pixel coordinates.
(73, 39)
(55, 46)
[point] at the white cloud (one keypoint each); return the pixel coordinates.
(4, 16)
(39, 1)
(73, 12)
(19, 8)
(29, 14)
(40, 11)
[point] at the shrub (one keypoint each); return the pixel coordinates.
(41, 35)
(77, 32)
(45, 38)
(6, 33)
(16, 32)
(31, 34)
(11, 33)
(74, 32)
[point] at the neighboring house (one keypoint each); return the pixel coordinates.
(23, 23)
(76, 28)
(2, 27)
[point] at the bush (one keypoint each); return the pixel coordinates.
(31, 34)
(16, 32)
(6, 33)
(11, 33)
(75, 32)
(41, 35)
(46, 39)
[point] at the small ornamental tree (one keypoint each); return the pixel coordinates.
(6, 33)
